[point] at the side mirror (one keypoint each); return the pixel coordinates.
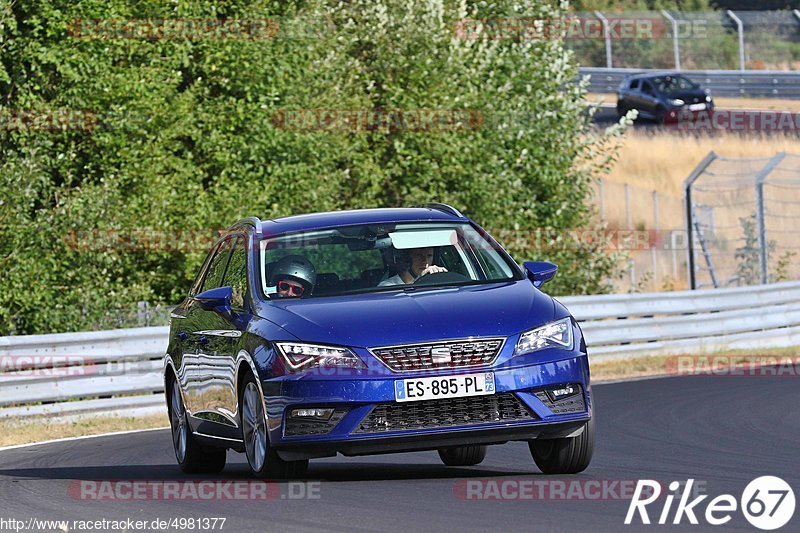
(218, 300)
(540, 272)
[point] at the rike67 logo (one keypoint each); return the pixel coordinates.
(767, 503)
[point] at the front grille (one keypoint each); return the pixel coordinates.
(450, 412)
(444, 354)
(570, 404)
(297, 427)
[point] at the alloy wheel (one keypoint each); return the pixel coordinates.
(179, 429)
(255, 431)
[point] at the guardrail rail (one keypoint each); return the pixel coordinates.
(749, 83)
(119, 371)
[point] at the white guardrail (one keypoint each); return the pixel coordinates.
(119, 371)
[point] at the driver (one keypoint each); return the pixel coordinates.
(294, 276)
(420, 263)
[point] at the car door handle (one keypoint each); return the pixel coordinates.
(182, 335)
(202, 340)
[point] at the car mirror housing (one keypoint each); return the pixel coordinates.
(218, 299)
(540, 272)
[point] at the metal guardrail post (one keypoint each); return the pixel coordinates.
(628, 225)
(675, 45)
(763, 245)
(687, 186)
(606, 37)
(740, 27)
(796, 13)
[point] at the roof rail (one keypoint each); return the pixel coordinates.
(251, 221)
(443, 207)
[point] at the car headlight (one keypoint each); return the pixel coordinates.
(556, 334)
(708, 98)
(302, 356)
(677, 102)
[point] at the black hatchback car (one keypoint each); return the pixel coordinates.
(663, 97)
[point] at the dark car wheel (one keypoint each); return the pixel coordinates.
(263, 460)
(193, 458)
(463, 455)
(622, 109)
(564, 456)
(661, 115)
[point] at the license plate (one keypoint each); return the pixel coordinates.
(697, 107)
(413, 390)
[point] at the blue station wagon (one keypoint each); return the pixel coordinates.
(370, 332)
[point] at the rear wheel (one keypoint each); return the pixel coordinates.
(193, 458)
(564, 456)
(462, 455)
(661, 115)
(263, 460)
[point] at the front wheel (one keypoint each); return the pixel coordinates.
(462, 455)
(263, 459)
(193, 458)
(564, 456)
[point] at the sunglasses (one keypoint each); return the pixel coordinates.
(294, 290)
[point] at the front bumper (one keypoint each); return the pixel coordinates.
(356, 399)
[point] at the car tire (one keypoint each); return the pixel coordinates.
(622, 109)
(463, 455)
(661, 115)
(193, 457)
(264, 461)
(564, 456)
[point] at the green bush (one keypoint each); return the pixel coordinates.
(180, 135)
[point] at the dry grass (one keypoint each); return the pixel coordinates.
(640, 367)
(662, 162)
(40, 429)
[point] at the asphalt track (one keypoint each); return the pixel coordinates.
(721, 431)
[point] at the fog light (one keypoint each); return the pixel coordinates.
(312, 413)
(562, 392)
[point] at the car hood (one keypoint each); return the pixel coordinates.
(693, 96)
(399, 317)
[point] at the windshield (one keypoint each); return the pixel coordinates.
(371, 258)
(674, 84)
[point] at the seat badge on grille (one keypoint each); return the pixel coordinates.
(440, 355)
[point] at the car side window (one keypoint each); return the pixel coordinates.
(216, 269)
(647, 88)
(236, 274)
(198, 281)
(634, 85)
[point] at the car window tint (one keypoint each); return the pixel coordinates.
(236, 273)
(217, 267)
(358, 258)
(634, 84)
(452, 260)
(198, 281)
(491, 262)
(647, 88)
(337, 259)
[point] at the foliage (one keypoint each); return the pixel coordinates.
(180, 135)
(748, 269)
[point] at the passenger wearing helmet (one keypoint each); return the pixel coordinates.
(418, 262)
(294, 276)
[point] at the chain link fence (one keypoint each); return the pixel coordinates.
(742, 218)
(716, 40)
(647, 226)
